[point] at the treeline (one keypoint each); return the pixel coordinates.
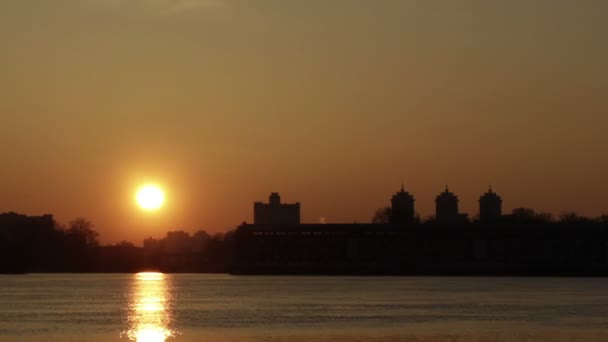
(42, 245)
(179, 251)
(39, 244)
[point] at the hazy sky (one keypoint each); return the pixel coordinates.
(332, 103)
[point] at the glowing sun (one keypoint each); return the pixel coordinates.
(150, 197)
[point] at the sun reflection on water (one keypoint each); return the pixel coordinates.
(150, 315)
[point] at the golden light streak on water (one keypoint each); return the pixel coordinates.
(148, 276)
(150, 316)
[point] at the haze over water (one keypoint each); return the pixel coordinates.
(154, 307)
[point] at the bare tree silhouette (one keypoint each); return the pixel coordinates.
(80, 231)
(528, 215)
(382, 215)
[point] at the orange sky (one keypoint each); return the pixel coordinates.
(331, 103)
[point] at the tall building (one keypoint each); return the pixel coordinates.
(490, 207)
(446, 207)
(23, 223)
(402, 207)
(275, 212)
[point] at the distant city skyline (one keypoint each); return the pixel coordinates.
(331, 103)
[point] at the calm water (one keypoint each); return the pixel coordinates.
(155, 307)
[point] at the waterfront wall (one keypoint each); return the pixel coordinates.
(431, 248)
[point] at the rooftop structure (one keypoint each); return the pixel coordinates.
(402, 207)
(490, 207)
(275, 212)
(446, 207)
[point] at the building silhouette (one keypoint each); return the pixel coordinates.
(26, 242)
(275, 212)
(490, 207)
(449, 245)
(446, 208)
(402, 208)
(22, 222)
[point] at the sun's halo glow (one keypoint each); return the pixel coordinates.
(150, 197)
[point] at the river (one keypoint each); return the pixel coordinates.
(155, 307)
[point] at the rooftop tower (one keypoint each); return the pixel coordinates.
(446, 207)
(490, 207)
(402, 207)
